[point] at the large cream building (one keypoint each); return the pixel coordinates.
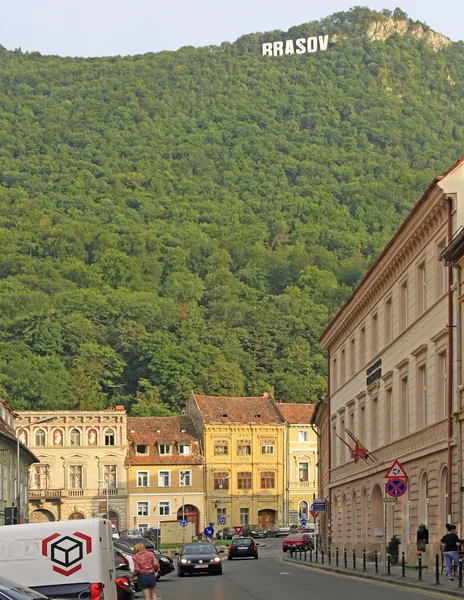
(82, 468)
(392, 382)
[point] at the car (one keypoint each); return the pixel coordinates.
(198, 558)
(124, 585)
(10, 590)
(127, 549)
(153, 534)
(254, 531)
(297, 541)
(114, 532)
(139, 540)
(281, 530)
(244, 546)
(226, 533)
(130, 533)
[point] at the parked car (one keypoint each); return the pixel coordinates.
(254, 531)
(199, 558)
(281, 530)
(226, 533)
(114, 532)
(10, 590)
(297, 541)
(242, 547)
(153, 534)
(129, 533)
(127, 548)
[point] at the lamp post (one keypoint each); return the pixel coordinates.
(221, 486)
(18, 465)
(182, 484)
(106, 482)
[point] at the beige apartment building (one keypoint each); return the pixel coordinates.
(392, 357)
(82, 468)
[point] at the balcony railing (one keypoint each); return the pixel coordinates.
(44, 494)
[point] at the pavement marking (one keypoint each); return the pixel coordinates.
(284, 573)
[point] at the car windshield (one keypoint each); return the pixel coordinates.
(242, 542)
(124, 548)
(199, 549)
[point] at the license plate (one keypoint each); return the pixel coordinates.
(242, 548)
(201, 566)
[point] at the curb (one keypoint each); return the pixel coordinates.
(439, 589)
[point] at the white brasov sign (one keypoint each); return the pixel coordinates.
(298, 46)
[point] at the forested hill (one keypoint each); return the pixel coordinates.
(192, 219)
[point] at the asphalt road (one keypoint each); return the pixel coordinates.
(268, 578)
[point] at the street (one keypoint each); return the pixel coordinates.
(269, 578)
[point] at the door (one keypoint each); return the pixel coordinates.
(266, 518)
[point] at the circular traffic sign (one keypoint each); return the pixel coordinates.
(303, 521)
(396, 487)
(222, 521)
(208, 531)
(183, 523)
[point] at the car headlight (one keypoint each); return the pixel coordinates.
(184, 561)
(216, 559)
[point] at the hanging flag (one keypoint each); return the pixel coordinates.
(359, 450)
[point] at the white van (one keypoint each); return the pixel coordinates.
(65, 559)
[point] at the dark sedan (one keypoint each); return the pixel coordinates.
(199, 558)
(10, 590)
(165, 562)
(243, 547)
(254, 531)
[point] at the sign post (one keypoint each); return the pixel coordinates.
(396, 484)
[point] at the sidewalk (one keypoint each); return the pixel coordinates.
(411, 578)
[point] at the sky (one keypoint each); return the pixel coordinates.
(116, 27)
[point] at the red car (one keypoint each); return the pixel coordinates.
(297, 541)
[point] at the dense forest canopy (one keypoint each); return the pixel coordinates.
(192, 219)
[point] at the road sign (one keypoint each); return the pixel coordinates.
(238, 529)
(314, 514)
(387, 499)
(222, 521)
(303, 521)
(208, 531)
(396, 471)
(319, 506)
(396, 487)
(183, 523)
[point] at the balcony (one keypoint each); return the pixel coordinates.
(44, 494)
(302, 484)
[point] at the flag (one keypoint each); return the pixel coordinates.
(359, 450)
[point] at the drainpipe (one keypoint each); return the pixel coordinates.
(458, 422)
(287, 461)
(329, 451)
(450, 363)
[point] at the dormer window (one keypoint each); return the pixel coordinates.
(109, 437)
(141, 449)
(165, 449)
(184, 449)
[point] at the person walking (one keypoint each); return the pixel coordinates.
(450, 544)
(146, 567)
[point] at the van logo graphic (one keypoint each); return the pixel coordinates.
(67, 551)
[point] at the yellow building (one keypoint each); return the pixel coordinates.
(301, 461)
(165, 472)
(243, 442)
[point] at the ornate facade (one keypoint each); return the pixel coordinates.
(82, 469)
(392, 382)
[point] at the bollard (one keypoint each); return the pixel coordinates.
(460, 573)
(336, 557)
(317, 550)
(437, 570)
(305, 554)
(345, 558)
(330, 556)
(376, 559)
(354, 558)
(403, 565)
(364, 559)
(388, 564)
(310, 555)
(322, 555)
(420, 566)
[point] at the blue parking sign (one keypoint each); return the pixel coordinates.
(222, 521)
(183, 523)
(303, 521)
(208, 531)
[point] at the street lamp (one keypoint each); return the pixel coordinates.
(182, 484)
(18, 464)
(106, 482)
(221, 486)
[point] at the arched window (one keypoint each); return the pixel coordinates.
(303, 511)
(365, 508)
(109, 437)
(424, 501)
(75, 437)
(40, 437)
(444, 499)
(354, 511)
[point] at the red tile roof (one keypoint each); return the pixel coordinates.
(254, 409)
(297, 413)
(153, 431)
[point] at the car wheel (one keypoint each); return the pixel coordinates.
(284, 549)
(256, 557)
(229, 558)
(180, 573)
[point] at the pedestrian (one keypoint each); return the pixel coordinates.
(146, 567)
(450, 544)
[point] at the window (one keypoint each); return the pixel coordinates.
(404, 407)
(267, 480)
(374, 335)
(341, 439)
(142, 527)
(352, 357)
(303, 436)
(388, 415)
(362, 347)
(388, 321)
(421, 288)
(165, 449)
(244, 516)
(362, 423)
(442, 386)
(75, 437)
(303, 471)
(75, 477)
(142, 478)
(109, 437)
(109, 476)
(221, 480)
(404, 309)
(442, 271)
(303, 510)
(185, 478)
(142, 509)
(343, 367)
(221, 513)
(244, 447)
(184, 448)
(333, 440)
(221, 447)
(141, 449)
(164, 478)
(267, 446)
(39, 477)
(374, 424)
(40, 437)
(334, 375)
(164, 509)
(421, 397)
(244, 481)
